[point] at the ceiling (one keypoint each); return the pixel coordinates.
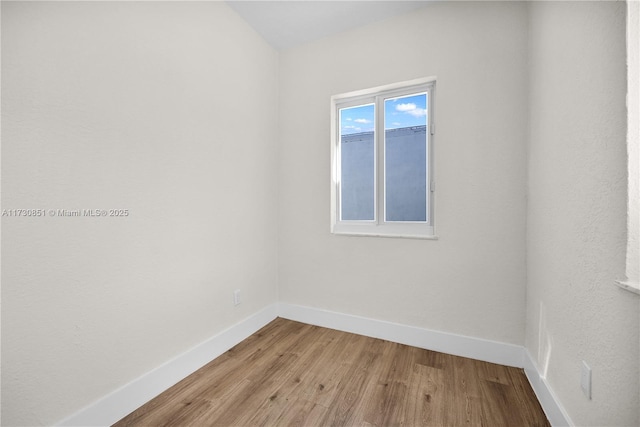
(286, 24)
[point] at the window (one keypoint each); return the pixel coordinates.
(382, 160)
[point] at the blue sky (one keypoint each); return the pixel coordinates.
(399, 112)
(357, 119)
(405, 112)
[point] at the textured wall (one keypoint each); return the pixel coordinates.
(143, 106)
(576, 234)
(633, 144)
(472, 280)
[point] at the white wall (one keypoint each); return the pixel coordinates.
(472, 280)
(147, 106)
(167, 109)
(633, 142)
(576, 216)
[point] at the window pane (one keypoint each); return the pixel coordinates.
(357, 163)
(405, 162)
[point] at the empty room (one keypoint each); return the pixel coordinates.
(320, 213)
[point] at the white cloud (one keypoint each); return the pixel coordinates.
(396, 123)
(418, 112)
(362, 121)
(412, 109)
(406, 107)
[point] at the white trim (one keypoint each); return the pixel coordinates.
(459, 345)
(550, 403)
(633, 287)
(402, 236)
(379, 226)
(131, 396)
(388, 87)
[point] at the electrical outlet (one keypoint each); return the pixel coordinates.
(236, 297)
(585, 379)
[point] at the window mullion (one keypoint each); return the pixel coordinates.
(379, 138)
(430, 175)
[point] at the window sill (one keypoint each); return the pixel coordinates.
(398, 230)
(400, 236)
(633, 287)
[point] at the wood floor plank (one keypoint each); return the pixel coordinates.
(307, 354)
(345, 408)
(526, 398)
(493, 372)
(252, 398)
(301, 412)
(463, 387)
(499, 400)
(293, 374)
(426, 400)
(331, 372)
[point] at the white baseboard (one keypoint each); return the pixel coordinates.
(550, 404)
(458, 345)
(124, 400)
(129, 397)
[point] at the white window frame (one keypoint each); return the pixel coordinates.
(378, 226)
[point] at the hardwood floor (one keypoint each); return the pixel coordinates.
(291, 373)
